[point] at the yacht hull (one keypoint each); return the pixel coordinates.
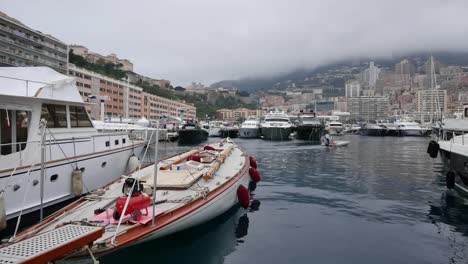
(311, 133)
(214, 132)
(375, 132)
(249, 132)
(276, 133)
(334, 131)
(415, 132)
(459, 164)
(98, 169)
(232, 133)
(192, 136)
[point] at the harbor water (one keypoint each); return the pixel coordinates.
(378, 200)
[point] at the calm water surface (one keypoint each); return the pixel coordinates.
(378, 200)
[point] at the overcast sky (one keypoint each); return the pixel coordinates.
(212, 40)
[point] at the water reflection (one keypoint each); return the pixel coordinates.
(207, 243)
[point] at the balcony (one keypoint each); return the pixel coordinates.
(32, 49)
(34, 40)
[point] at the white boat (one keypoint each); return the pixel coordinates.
(409, 128)
(36, 100)
(276, 126)
(142, 129)
(338, 143)
(250, 128)
(213, 128)
(454, 154)
(188, 193)
(334, 127)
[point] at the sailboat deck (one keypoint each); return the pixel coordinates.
(188, 180)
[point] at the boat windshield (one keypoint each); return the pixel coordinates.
(276, 120)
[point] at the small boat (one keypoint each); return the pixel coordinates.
(250, 128)
(338, 143)
(309, 128)
(191, 133)
(276, 126)
(186, 190)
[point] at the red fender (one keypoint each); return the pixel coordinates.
(254, 175)
(253, 162)
(243, 196)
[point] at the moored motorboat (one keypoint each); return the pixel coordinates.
(39, 101)
(191, 133)
(334, 127)
(276, 126)
(454, 155)
(250, 128)
(229, 130)
(407, 128)
(377, 130)
(308, 127)
(191, 188)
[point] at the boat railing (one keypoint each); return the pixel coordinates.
(18, 147)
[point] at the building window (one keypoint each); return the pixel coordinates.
(56, 115)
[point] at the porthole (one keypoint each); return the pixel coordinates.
(124, 140)
(107, 143)
(35, 182)
(82, 169)
(16, 187)
(103, 164)
(54, 178)
(116, 142)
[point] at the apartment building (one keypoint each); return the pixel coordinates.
(368, 108)
(431, 102)
(23, 46)
(239, 113)
(123, 100)
(154, 107)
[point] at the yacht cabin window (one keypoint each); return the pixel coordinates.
(13, 130)
(79, 117)
(56, 115)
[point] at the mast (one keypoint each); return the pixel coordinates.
(155, 175)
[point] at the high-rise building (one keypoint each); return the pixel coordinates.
(353, 88)
(405, 67)
(368, 108)
(23, 46)
(431, 102)
(371, 75)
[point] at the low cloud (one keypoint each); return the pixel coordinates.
(211, 40)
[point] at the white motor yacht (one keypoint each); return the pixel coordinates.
(50, 150)
(276, 126)
(334, 127)
(250, 128)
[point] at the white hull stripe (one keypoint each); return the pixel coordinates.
(110, 152)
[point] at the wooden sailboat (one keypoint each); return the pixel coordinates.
(185, 190)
